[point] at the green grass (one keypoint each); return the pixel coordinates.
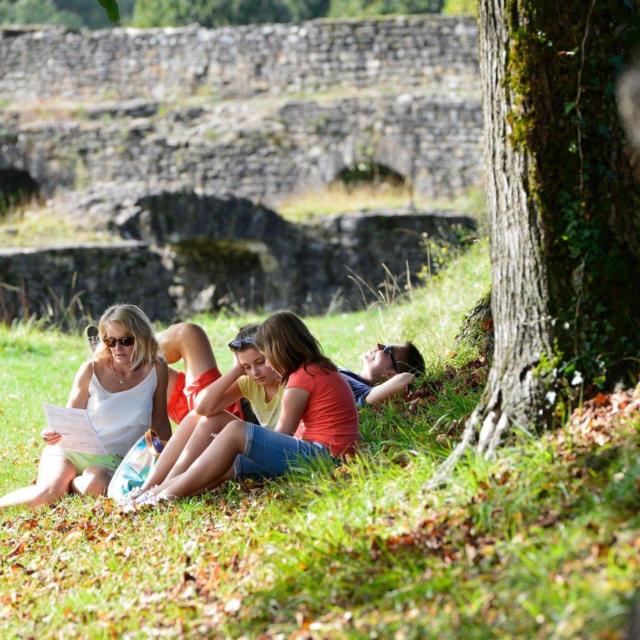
(541, 544)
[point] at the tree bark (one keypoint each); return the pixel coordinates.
(564, 210)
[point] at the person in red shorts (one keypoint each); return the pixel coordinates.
(188, 342)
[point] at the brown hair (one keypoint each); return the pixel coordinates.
(245, 337)
(133, 320)
(288, 344)
(412, 360)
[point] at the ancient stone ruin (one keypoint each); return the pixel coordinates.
(183, 142)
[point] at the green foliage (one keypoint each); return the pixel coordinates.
(460, 7)
(93, 15)
(37, 12)
(157, 13)
(74, 14)
(361, 8)
(101, 14)
(111, 9)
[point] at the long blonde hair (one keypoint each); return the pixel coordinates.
(133, 320)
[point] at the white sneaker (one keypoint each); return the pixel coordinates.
(131, 496)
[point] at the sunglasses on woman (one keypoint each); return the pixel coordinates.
(240, 343)
(390, 350)
(125, 341)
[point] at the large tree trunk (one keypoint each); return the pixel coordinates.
(563, 206)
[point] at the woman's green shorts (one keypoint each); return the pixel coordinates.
(83, 460)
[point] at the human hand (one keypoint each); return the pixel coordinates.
(237, 367)
(49, 436)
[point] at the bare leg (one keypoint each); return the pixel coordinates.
(187, 341)
(214, 466)
(172, 451)
(227, 476)
(200, 439)
(55, 475)
(93, 481)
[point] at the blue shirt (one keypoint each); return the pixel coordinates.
(359, 386)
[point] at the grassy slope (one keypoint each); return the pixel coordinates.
(541, 544)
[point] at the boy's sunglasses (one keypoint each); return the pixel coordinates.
(240, 343)
(389, 349)
(126, 341)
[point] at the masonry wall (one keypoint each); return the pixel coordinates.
(191, 261)
(76, 280)
(435, 143)
(239, 61)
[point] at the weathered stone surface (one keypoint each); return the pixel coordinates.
(172, 137)
(382, 249)
(44, 282)
(118, 106)
(276, 150)
(201, 253)
(238, 61)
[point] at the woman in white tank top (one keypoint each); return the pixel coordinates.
(124, 390)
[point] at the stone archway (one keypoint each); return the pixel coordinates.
(369, 173)
(17, 188)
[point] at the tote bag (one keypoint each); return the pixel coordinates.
(136, 465)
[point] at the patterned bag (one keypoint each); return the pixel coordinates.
(136, 465)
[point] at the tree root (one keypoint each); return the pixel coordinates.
(494, 424)
(442, 475)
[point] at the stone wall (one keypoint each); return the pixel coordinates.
(239, 61)
(77, 280)
(190, 253)
(179, 139)
(262, 111)
(434, 142)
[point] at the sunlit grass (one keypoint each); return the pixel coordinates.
(39, 226)
(340, 198)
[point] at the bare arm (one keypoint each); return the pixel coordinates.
(159, 417)
(391, 387)
(294, 402)
(79, 394)
(221, 393)
(78, 397)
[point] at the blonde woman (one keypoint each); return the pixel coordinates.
(123, 387)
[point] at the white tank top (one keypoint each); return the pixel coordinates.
(120, 418)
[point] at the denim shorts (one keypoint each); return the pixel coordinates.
(268, 453)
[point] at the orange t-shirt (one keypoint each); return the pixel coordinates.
(331, 416)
